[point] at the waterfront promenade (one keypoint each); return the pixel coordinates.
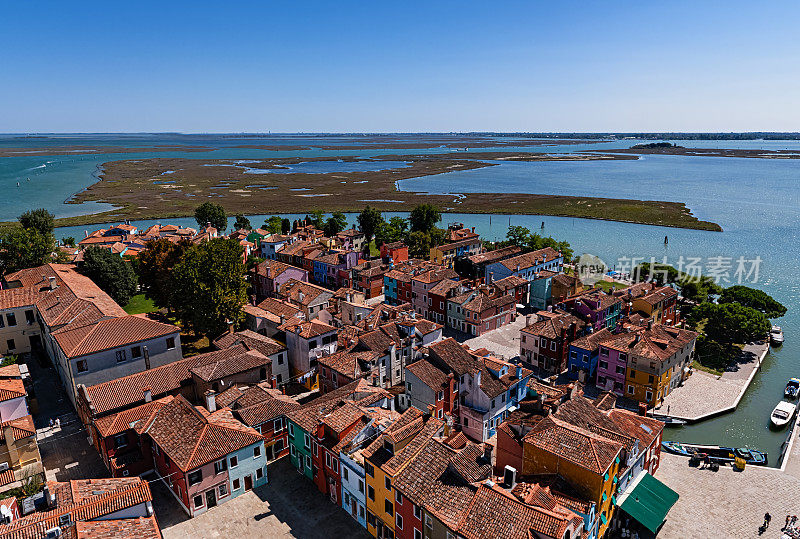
(706, 395)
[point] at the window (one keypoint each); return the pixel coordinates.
(552, 345)
(361, 486)
(466, 422)
(312, 343)
(408, 387)
(234, 461)
(256, 451)
(370, 519)
(121, 356)
(648, 395)
(277, 425)
(223, 490)
(327, 459)
(280, 359)
(335, 464)
(418, 512)
(2, 324)
(440, 396)
(573, 354)
(399, 521)
(306, 440)
(136, 352)
(398, 497)
(220, 466)
(170, 343)
(371, 492)
(278, 447)
(120, 440)
(345, 474)
(417, 534)
(80, 365)
(388, 507)
(387, 483)
(259, 473)
(620, 369)
(650, 379)
(29, 317)
(11, 319)
(543, 342)
(604, 352)
(630, 390)
(195, 477)
(308, 462)
(292, 451)
(291, 430)
(439, 414)
(198, 502)
(237, 484)
(603, 364)
(370, 469)
(428, 522)
(316, 448)
(623, 357)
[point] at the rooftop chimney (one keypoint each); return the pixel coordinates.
(211, 402)
(487, 452)
(148, 394)
(52, 283)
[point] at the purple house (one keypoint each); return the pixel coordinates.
(611, 366)
(270, 275)
(601, 310)
(327, 266)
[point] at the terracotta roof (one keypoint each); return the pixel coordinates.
(358, 392)
(657, 343)
(482, 302)
(251, 339)
(306, 329)
(459, 243)
(660, 294)
(261, 403)
(14, 298)
(565, 280)
(529, 260)
(459, 360)
(552, 328)
(376, 341)
(121, 421)
(428, 374)
(192, 438)
(575, 444)
(491, 256)
(292, 289)
(591, 342)
(278, 307)
(273, 268)
(512, 281)
(546, 496)
(351, 364)
(604, 300)
(233, 360)
(643, 428)
(128, 528)
(495, 513)
(435, 275)
(11, 388)
(21, 427)
(110, 333)
(392, 463)
(83, 500)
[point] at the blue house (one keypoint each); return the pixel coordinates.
(583, 354)
(536, 267)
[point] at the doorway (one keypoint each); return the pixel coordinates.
(211, 498)
(248, 482)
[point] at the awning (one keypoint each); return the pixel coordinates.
(648, 500)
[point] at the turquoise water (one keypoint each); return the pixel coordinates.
(754, 200)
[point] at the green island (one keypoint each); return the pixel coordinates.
(160, 188)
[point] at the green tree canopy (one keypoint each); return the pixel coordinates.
(699, 289)
(419, 244)
(286, 225)
(111, 273)
(660, 273)
(335, 224)
(242, 222)
(155, 269)
(517, 235)
(752, 297)
(208, 212)
(393, 230)
(368, 222)
(732, 322)
(424, 217)
(274, 224)
(209, 286)
(69, 241)
(40, 220)
(22, 248)
(317, 218)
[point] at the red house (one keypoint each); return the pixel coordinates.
(396, 251)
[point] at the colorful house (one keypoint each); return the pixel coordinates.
(528, 266)
(544, 345)
(583, 353)
(599, 309)
(270, 275)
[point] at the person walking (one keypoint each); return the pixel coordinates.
(788, 518)
(767, 518)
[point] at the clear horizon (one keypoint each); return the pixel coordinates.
(254, 67)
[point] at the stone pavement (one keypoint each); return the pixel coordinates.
(705, 395)
(503, 341)
(288, 506)
(726, 504)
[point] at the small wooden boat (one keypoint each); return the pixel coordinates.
(716, 453)
(792, 388)
(782, 414)
(669, 421)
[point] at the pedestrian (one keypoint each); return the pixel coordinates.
(51, 422)
(794, 519)
(706, 460)
(667, 409)
(788, 518)
(58, 422)
(767, 518)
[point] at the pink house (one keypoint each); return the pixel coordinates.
(611, 365)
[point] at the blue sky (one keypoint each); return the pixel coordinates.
(399, 66)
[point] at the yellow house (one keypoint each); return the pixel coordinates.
(587, 460)
(19, 451)
(658, 304)
(385, 457)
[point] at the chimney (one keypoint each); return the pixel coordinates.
(487, 452)
(148, 394)
(473, 229)
(510, 477)
(211, 402)
(301, 296)
(642, 408)
(491, 277)
(517, 268)
(519, 372)
(52, 283)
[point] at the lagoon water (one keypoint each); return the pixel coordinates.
(756, 202)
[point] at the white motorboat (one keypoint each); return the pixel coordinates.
(782, 414)
(776, 335)
(792, 388)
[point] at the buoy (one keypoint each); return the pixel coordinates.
(666, 240)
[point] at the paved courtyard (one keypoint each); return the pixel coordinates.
(503, 341)
(289, 506)
(704, 394)
(726, 504)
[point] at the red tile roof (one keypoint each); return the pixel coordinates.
(12, 389)
(575, 444)
(529, 260)
(110, 333)
(128, 528)
(192, 438)
(251, 339)
(121, 421)
(22, 427)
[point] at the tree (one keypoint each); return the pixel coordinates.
(699, 289)
(69, 241)
(24, 248)
(394, 230)
(437, 236)
(419, 245)
(752, 297)
(273, 225)
(317, 218)
(423, 217)
(40, 220)
(111, 273)
(368, 222)
(731, 322)
(242, 222)
(286, 225)
(518, 235)
(659, 273)
(335, 224)
(208, 212)
(156, 262)
(209, 286)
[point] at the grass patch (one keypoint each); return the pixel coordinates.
(606, 286)
(701, 367)
(140, 304)
(716, 356)
(373, 249)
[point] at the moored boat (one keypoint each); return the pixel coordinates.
(792, 388)
(776, 335)
(717, 453)
(670, 421)
(782, 414)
